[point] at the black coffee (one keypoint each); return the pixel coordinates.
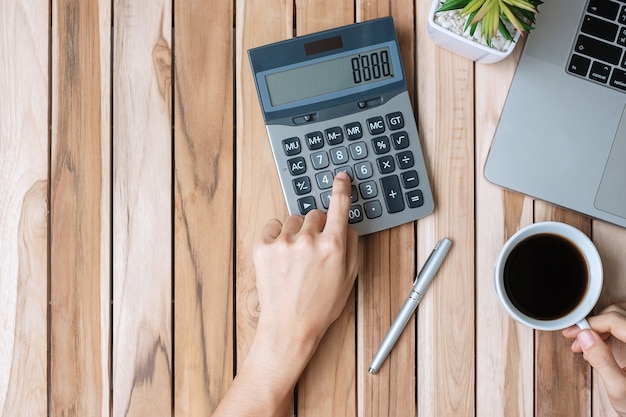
(545, 276)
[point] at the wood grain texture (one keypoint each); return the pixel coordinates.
(610, 241)
(504, 360)
(204, 180)
(328, 385)
(259, 197)
(78, 226)
(24, 108)
(562, 380)
(387, 271)
(142, 209)
(445, 333)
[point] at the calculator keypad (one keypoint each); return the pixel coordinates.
(347, 148)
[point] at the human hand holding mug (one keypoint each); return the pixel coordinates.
(549, 276)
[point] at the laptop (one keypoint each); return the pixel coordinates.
(561, 137)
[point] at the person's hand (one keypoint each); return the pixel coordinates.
(306, 269)
(610, 322)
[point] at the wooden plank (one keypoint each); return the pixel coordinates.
(445, 333)
(23, 208)
(259, 196)
(204, 184)
(504, 348)
(610, 241)
(387, 271)
(79, 209)
(328, 385)
(142, 209)
(562, 380)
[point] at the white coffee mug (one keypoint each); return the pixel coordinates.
(532, 252)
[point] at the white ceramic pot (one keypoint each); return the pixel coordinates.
(463, 46)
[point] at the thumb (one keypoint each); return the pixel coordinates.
(599, 355)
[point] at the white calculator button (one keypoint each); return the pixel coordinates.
(368, 189)
(324, 180)
(363, 170)
(358, 150)
(320, 160)
(339, 155)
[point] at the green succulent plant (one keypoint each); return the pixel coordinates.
(493, 14)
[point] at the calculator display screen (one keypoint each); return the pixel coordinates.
(330, 75)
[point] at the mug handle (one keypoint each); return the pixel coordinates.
(583, 324)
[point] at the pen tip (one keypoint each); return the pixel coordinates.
(372, 371)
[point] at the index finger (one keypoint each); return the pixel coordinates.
(337, 216)
(611, 322)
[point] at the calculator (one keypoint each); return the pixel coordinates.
(335, 101)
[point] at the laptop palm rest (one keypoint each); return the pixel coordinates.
(611, 196)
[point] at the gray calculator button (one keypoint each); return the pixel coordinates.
(353, 131)
(320, 160)
(324, 180)
(358, 150)
(339, 155)
(395, 120)
(373, 209)
(302, 185)
(291, 146)
(381, 145)
(334, 135)
(355, 214)
(297, 165)
(363, 170)
(405, 159)
(400, 140)
(410, 179)
(314, 140)
(415, 198)
(375, 125)
(386, 164)
(392, 193)
(368, 189)
(306, 204)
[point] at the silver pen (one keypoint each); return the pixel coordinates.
(421, 283)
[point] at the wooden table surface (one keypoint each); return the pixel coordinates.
(136, 174)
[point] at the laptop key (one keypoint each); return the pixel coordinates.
(579, 65)
(603, 8)
(599, 28)
(598, 49)
(618, 79)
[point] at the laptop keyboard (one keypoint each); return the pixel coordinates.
(598, 53)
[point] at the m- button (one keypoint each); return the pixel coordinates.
(375, 125)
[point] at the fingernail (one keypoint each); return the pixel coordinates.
(586, 339)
